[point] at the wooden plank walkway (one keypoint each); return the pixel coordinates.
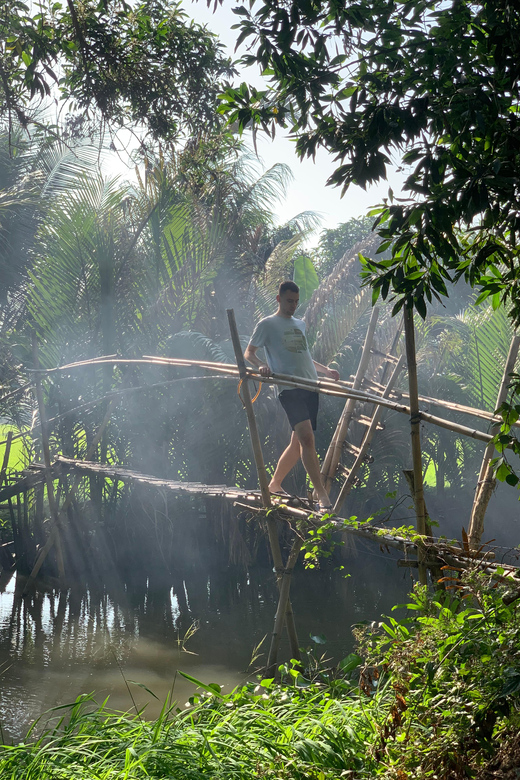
(451, 553)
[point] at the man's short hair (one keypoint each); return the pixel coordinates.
(286, 286)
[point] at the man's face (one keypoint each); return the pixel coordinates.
(288, 302)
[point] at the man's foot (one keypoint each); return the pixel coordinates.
(324, 508)
(276, 490)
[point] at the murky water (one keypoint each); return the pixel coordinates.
(116, 637)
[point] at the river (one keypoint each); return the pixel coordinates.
(121, 635)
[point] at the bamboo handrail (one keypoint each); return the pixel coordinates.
(338, 389)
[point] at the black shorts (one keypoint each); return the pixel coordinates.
(300, 405)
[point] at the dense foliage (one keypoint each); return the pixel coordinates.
(435, 694)
(433, 87)
(112, 62)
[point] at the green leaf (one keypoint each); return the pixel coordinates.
(350, 662)
(210, 688)
(305, 277)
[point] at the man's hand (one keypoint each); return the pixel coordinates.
(264, 370)
(332, 374)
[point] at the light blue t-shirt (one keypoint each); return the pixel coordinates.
(285, 344)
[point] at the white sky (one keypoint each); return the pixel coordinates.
(308, 191)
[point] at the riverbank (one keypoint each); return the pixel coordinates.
(435, 694)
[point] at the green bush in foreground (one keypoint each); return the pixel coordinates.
(433, 695)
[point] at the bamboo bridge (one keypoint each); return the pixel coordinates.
(364, 401)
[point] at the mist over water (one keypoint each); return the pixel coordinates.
(138, 627)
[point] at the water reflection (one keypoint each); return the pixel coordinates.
(54, 645)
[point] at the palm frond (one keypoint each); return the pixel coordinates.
(337, 305)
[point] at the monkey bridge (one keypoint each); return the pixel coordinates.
(365, 399)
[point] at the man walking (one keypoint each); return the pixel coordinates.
(285, 344)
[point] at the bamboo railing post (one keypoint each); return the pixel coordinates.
(415, 425)
(487, 480)
(347, 485)
(333, 455)
(264, 484)
(47, 456)
(251, 419)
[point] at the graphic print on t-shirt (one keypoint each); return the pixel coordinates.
(294, 340)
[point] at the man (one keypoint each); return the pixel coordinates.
(283, 338)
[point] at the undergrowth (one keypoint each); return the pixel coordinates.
(431, 695)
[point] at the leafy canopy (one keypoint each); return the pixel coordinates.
(431, 85)
(126, 63)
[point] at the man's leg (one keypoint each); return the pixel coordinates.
(288, 460)
(305, 434)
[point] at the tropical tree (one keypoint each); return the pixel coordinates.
(111, 64)
(433, 87)
(335, 242)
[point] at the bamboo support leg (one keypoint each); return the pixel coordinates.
(47, 458)
(285, 586)
(333, 455)
(487, 481)
(276, 552)
(262, 475)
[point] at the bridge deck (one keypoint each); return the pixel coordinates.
(452, 554)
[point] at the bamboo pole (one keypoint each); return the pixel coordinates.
(251, 419)
(47, 458)
(333, 455)
(68, 500)
(264, 484)
(347, 485)
(415, 425)
(5, 463)
(230, 370)
(487, 480)
(283, 602)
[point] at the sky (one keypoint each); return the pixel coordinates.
(308, 191)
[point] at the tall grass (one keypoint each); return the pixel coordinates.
(273, 731)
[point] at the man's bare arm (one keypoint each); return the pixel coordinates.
(251, 357)
(331, 373)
